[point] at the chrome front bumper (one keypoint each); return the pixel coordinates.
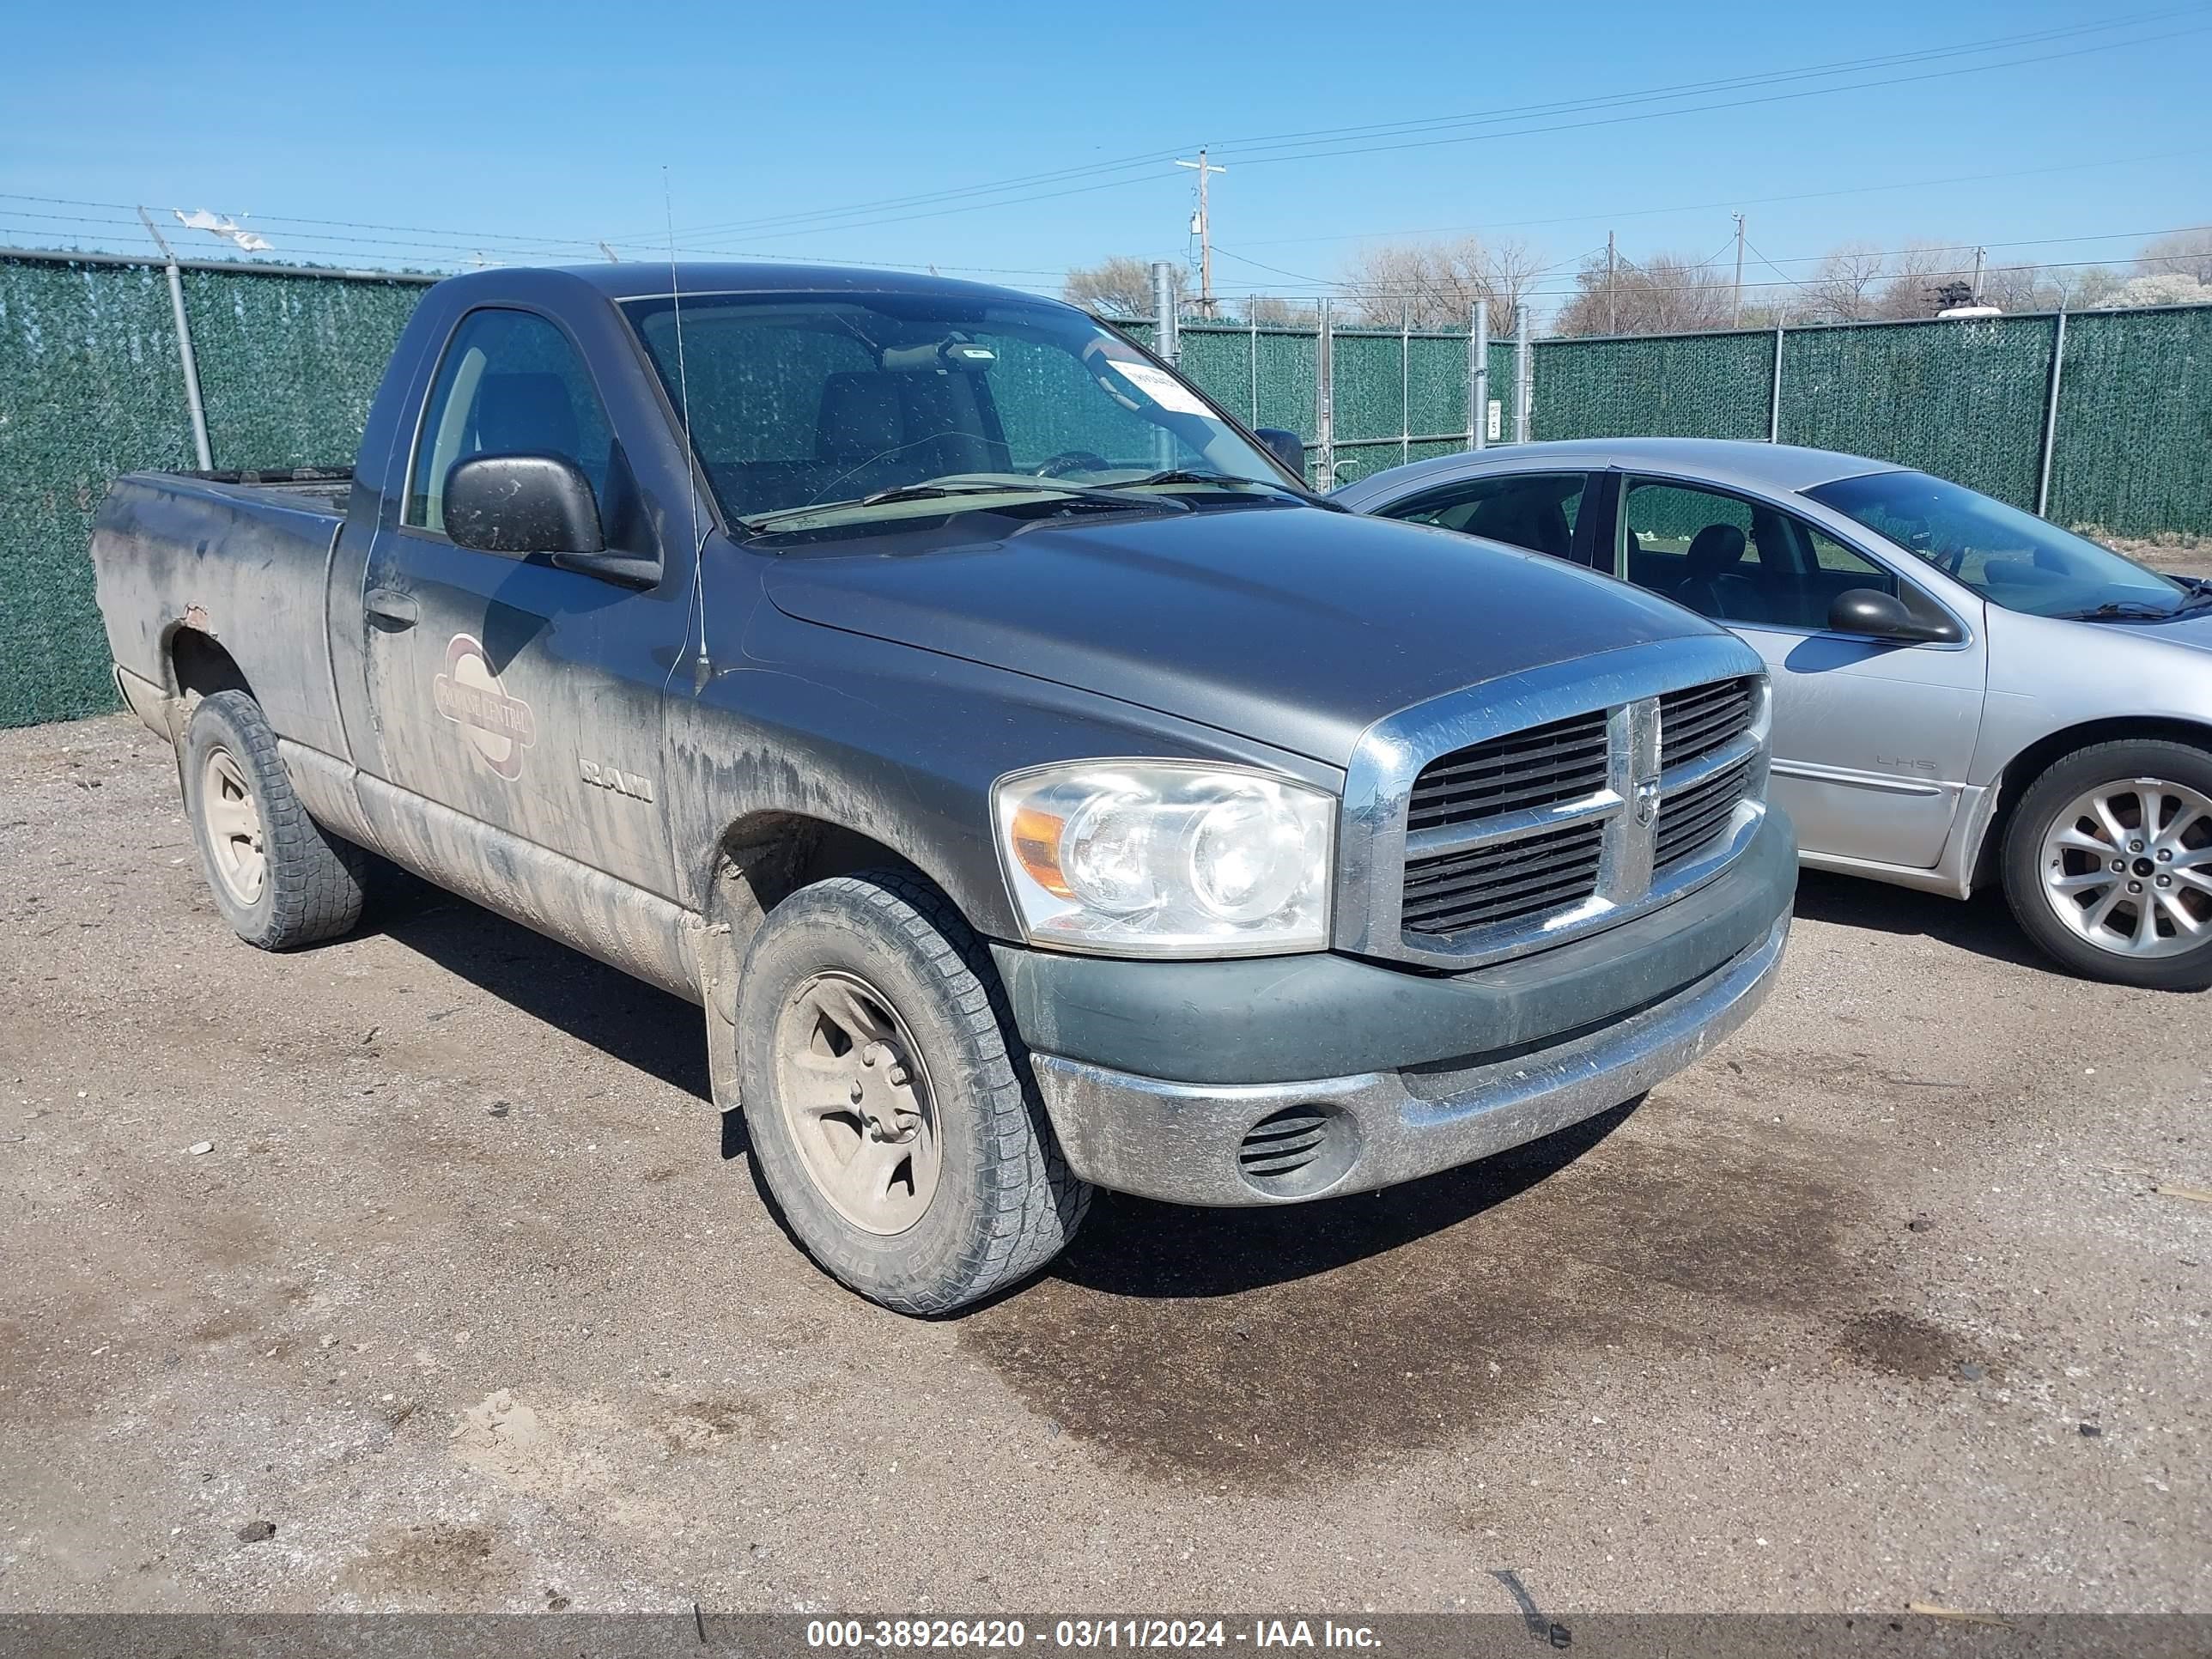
(1187, 1143)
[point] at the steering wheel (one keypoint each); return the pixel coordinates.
(1071, 460)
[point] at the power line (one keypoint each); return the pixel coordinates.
(1732, 202)
(846, 218)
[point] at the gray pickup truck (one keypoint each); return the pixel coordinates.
(1034, 784)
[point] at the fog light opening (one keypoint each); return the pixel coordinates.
(1298, 1150)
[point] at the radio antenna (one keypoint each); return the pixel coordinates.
(701, 664)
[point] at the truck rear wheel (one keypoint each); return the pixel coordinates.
(888, 1100)
(279, 878)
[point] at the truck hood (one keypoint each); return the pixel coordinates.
(1292, 625)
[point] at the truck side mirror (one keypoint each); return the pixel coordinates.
(1285, 446)
(1882, 616)
(522, 504)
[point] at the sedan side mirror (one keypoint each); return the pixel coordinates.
(1882, 616)
(522, 504)
(1285, 446)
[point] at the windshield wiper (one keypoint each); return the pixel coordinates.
(2200, 594)
(1180, 474)
(2122, 611)
(930, 492)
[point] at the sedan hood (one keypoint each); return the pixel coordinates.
(1292, 625)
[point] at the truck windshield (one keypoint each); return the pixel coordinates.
(2009, 557)
(811, 408)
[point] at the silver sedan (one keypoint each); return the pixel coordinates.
(1962, 692)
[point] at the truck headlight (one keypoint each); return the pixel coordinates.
(1165, 858)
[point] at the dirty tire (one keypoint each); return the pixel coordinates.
(310, 880)
(1005, 1202)
(2047, 799)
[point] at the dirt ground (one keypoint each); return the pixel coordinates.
(470, 1297)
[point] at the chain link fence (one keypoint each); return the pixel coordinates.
(2101, 418)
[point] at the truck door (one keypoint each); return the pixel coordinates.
(1872, 738)
(524, 696)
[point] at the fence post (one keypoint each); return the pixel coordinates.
(2050, 421)
(1255, 373)
(1325, 400)
(1774, 393)
(1524, 375)
(1405, 385)
(1477, 379)
(1167, 344)
(184, 353)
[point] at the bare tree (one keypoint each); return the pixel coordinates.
(1435, 284)
(1119, 287)
(1917, 282)
(1666, 294)
(1270, 311)
(2182, 252)
(1847, 286)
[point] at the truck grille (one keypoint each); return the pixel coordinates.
(1505, 882)
(1542, 766)
(1541, 833)
(1691, 819)
(1694, 723)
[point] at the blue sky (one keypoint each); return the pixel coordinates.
(491, 125)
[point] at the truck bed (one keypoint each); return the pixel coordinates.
(240, 558)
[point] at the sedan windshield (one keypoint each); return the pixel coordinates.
(2009, 557)
(808, 409)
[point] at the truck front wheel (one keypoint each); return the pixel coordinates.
(279, 878)
(888, 1101)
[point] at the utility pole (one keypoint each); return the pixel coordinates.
(1203, 224)
(1981, 255)
(1735, 306)
(1612, 311)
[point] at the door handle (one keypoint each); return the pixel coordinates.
(390, 608)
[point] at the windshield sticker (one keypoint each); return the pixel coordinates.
(497, 726)
(1161, 387)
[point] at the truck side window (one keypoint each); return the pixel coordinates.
(1535, 510)
(510, 384)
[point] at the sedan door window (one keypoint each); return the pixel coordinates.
(1739, 561)
(1532, 510)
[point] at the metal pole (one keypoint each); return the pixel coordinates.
(1405, 385)
(1255, 374)
(1163, 308)
(2050, 422)
(1477, 379)
(1325, 399)
(1524, 375)
(1774, 393)
(185, 355)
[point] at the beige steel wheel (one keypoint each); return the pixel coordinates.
(854, 1092)
(892, 1119)
(237, 855)
(279, 877)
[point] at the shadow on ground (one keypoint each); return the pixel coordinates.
(1982, 924)
(635, 1022)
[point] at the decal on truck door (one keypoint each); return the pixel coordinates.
(497, 726)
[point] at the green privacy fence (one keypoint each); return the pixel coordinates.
(91, 385)
(2100, 418)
